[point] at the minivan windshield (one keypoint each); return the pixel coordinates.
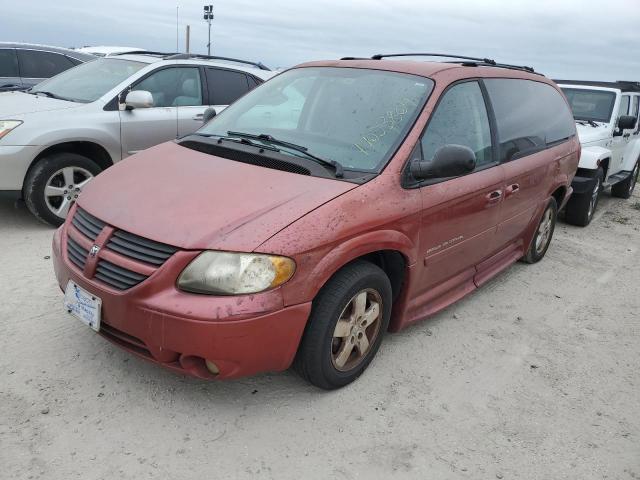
(590, 105)
(89, 81)
(354, 117)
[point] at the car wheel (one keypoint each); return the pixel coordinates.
(54, 183)
(348, 320)
(544, 233)
(625, 188)
(581, 208)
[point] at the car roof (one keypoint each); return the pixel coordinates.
(152, 58)
(622, 85)
(48, 48)
(451, 70)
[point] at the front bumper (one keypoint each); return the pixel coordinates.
(242, 335)
(14, 163)
(582, 185)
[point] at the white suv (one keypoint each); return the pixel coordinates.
(57, 136)
(607, 118)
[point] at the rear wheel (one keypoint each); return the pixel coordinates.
(544, 234)
(625, 188)
(348, 320)
(581, 207)
(55, 182)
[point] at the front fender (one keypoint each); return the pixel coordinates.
(313, 275)
(591, 157)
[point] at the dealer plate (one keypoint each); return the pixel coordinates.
(83, 305)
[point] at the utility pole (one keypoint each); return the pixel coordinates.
(188, 38)
(208, 16)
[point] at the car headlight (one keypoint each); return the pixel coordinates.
(7, 125)
(226, 273)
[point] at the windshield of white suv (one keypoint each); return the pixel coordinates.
(89, 81)
(590, 105)
(354, 117)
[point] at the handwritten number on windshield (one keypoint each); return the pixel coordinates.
(388, 122)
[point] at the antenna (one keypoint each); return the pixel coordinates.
(177, 33)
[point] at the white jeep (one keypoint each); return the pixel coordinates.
(606, 115)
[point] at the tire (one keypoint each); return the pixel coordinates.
(544, 233)
(581, 208)
(50, 205)
(319, 359)
(624, 189)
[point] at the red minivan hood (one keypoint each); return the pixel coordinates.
(193, 200)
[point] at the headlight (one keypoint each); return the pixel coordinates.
(226, 273)
(7, 125)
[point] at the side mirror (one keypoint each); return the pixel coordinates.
(626, 122)
(448, 161)
(208, 114)
(138, 99)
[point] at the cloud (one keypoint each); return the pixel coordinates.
(568, 39)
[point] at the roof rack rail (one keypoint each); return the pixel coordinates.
(380, 56)
(470, 61)
(186, 56)
(623, 85)
(144, 52)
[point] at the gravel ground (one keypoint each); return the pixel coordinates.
(534, 376)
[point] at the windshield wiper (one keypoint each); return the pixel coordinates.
(337, 167)
(48, 94)
(590, 122)
(243, 141)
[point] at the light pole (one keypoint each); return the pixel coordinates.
(208, 16)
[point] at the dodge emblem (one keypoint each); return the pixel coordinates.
(94, 250)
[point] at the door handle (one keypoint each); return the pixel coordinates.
(199, 116)
(512, 190)
(494, 197)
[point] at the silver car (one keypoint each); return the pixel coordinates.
(57, 136)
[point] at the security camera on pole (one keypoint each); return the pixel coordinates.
(208, 16)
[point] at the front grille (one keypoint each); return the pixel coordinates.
(88, 225)
(125, 245)
(139, 248)
(118, 277)
(77, 254)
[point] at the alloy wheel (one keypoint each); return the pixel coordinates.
(594, 198)
(544, 231)
(64, 187)
(356, 330)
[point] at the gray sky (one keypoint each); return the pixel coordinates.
(562, 38)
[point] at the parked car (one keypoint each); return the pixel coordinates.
(106, 51)
(60, 134)
(606, 115)
(336, 201)
(23, 65)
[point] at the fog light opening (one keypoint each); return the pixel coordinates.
(212, 367)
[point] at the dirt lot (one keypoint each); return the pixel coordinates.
(536, 376)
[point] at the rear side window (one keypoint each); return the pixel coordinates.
(624, 105)
(461, 119)
(530, 116)
(37, 64)
(226, 86)
(8, 63)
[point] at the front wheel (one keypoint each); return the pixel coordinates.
(544, 234)
(348, 320)
(54, 183)
(581, 207)
(624, 189)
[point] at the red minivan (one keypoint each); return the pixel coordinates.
(337, 201)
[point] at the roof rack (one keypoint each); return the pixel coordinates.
(186, 56)
(471, 61)
(623, 85)
(145, 52)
